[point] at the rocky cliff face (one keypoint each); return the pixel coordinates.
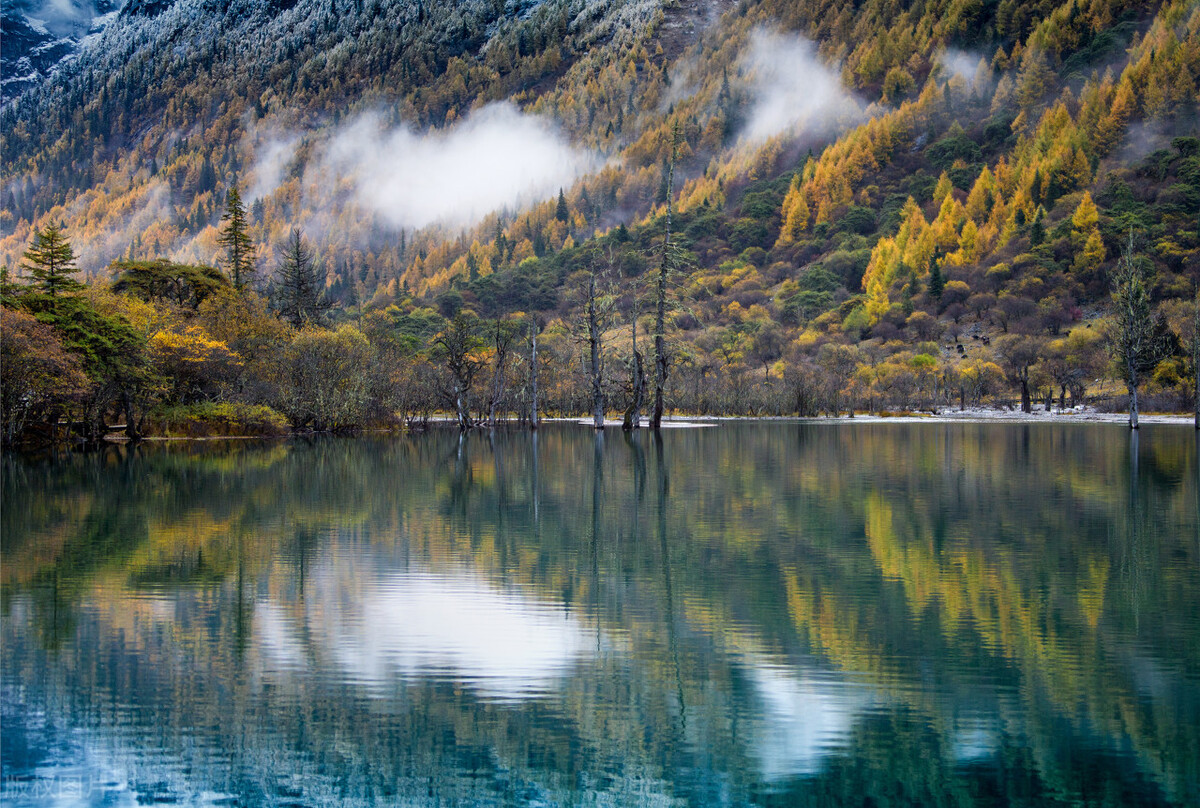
(39, 34)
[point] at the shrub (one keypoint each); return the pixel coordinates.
(216, 419)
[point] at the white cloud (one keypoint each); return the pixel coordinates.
(63, 17)
(960, 64)
(497, 158)
(793, 91)
(271, 158)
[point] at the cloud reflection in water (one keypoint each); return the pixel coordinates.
(456, 625)
(807, 715)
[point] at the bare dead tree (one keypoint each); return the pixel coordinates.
(661, 360)
(1193, 344)
(637, 381)
(504, 335)
(533, 374)
(594, 344)
(600, 305)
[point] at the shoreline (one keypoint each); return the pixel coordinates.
(1083, 415)
(1018, 417)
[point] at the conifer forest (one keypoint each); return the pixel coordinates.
(331, 216)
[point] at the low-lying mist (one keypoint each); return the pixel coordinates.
(959, 64)
(793, 91)
(498, 157)
(63, 17)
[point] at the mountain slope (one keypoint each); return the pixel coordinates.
(38, 37)
(870, 175)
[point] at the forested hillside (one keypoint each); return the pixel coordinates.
(844, 204)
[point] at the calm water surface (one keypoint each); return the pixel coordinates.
(752, 614)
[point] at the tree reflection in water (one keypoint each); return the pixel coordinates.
(770, 613)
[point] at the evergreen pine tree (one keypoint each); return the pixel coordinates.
(585, 204)
(910, 288)
(208, 176)
(664, 183)
(502, 248)
(239, 249)
(1037, 231)
(561, 211)
(8, 290)
(936, 281)
(1132, 332)
(50, 261)
(300, 295)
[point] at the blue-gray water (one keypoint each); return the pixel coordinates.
(753, 614)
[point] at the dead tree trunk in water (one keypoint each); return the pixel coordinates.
(633, 414)
(533, 369)
(660, 306)
(594, 340)
(1194, 345)
(505, 335)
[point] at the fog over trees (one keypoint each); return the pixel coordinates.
(939, 220)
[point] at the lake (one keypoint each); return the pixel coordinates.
(750, 614)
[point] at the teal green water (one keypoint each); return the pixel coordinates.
(880, 614)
